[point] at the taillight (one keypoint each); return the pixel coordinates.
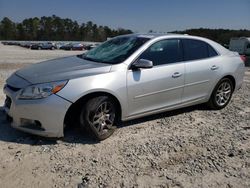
(243, 58)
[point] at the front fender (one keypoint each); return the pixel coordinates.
(113, 83)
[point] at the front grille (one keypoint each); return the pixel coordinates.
(12, 88)
(7, 102)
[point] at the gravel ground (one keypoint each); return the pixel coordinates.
(191, 147)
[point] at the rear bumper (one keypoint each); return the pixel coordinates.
(240, 77)
(44, 117)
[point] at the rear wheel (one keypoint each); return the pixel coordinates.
(221, 95)
(99, 116)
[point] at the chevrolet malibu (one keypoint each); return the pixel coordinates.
(127, 77)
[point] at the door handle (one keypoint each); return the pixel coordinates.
(176, 75)
(214, 67)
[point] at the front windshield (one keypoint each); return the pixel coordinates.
(115, 50)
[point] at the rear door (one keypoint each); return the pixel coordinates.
(202, 68)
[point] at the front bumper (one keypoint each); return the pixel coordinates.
(47, 114)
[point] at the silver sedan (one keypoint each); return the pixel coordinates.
(127, 77)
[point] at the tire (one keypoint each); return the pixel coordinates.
(99, 116)
(221, 95)
(39, 48)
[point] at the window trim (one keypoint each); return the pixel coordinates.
(181, 50)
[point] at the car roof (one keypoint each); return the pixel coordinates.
(220, 49)
(153, 35)
(166, 35)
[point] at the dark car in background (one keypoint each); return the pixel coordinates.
(73, 46)
(78, 46)
(43, 46)
(26, 44)
(91, 46)
(67, 46)
(11, 43)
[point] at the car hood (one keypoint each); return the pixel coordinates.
(61, 69)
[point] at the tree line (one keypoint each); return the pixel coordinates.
(221, 36)
(54, 28)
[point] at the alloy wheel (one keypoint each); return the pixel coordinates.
(103, 118)
(223, 93)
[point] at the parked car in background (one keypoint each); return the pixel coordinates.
(4, 42)
(26, 44)
(67, 46)
(77, 46)
(10, 43)
(87, 46)
(72, 46)
(91, 46)
(43, 46)
(59, 44)
(127, 77)
(241, 45)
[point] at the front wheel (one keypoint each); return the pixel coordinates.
(99, 116)
(221, 95)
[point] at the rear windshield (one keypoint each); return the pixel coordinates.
(115, 50)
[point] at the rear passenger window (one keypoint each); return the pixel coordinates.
(163, 52)
(194, 49)
(211, 51)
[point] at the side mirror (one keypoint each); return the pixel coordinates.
(142, 64)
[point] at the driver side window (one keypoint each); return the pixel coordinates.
(163, 52)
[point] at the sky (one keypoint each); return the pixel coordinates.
(137, 15)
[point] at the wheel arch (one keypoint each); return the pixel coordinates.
(74, 110)
(225, 76)
(210, 103)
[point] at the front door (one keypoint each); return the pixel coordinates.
(158, 87)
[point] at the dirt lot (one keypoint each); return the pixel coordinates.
(191, 147)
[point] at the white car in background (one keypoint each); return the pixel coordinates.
(240, 45)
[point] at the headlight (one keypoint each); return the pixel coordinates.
(40, 91)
